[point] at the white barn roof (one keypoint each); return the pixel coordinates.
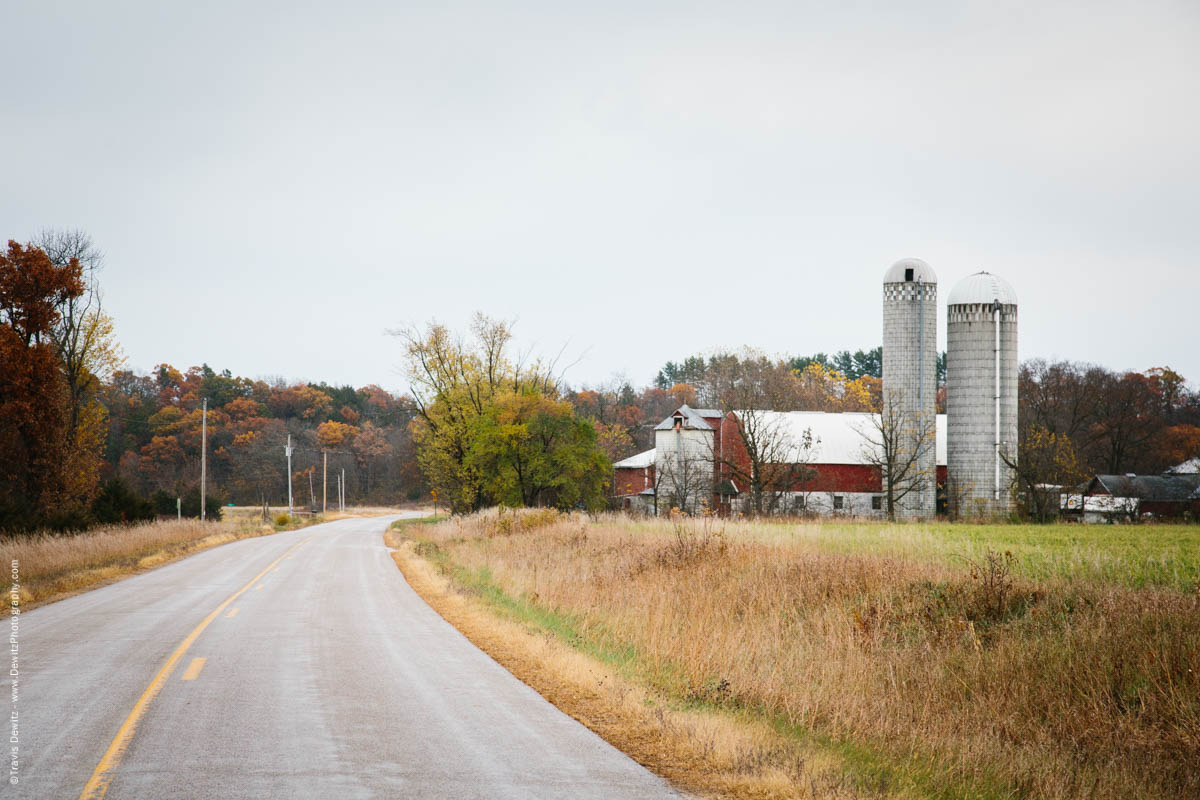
(838, 437)
(640, 461)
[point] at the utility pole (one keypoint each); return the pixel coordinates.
(178, 509)
(288, 452)
(343, 488)
(203, 457)
(324, 479)
(312, 496)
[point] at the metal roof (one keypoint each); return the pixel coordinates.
(1189, 467)
(640, 461)
(692, 418)
(1168, 488)
(839, 437)
(922, 272)
(982, 287)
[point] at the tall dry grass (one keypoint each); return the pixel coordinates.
(54, 565)
(1053, 688)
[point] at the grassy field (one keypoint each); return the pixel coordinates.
(54, 565)
(1130, 555)
(922, 660)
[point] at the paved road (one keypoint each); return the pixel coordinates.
(328, 677)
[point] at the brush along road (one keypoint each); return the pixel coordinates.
(299, 665)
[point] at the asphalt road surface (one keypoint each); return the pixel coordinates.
(326, 677)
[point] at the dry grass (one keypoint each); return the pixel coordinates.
(701, 752)
(958, 678)
(54, 566)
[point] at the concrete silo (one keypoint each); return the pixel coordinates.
(910, 385)
(981, 394)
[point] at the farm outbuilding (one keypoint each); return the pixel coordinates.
(633, 482)
(1123, 498)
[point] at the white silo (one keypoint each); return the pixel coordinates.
(910, 385)
(981, 395)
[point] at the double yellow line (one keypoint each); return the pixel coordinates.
(97, 787)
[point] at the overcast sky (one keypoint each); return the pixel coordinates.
(274, 185)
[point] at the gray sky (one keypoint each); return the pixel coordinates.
(273, 186)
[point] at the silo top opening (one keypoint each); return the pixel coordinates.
(910, 270)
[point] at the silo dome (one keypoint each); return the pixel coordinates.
(912, 270)
(982, 287)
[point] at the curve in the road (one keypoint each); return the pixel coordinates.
(319, 675)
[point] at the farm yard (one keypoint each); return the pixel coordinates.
(919, 660)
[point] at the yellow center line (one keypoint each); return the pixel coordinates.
(231, 614)
(98, 785)
(193, 669)
(256, 588)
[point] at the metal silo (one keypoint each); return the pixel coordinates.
(910, 382)
(981, 394)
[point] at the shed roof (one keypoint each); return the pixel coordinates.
(1162, 488)
(640, 461)
(922, 272)
(1188, 467)
(982, 287)
(839, 437)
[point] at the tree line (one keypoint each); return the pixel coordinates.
(1076, 419)
(84, 440)
(154, 438)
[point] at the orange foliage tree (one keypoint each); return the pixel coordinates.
(34, 395)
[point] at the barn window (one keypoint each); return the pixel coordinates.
(838, 501)
(877, 503)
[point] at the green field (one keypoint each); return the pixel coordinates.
(1129, 555)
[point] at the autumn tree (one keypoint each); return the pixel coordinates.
(1044, 463)
(454, 383)
(35, 409)
(334, 435)
(1117, 422)
(531, 450)
(369, 446)
(822, 388)
(302, 401)
(84, 338)
(614, 440)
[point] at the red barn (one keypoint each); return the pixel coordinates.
(701, 460)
